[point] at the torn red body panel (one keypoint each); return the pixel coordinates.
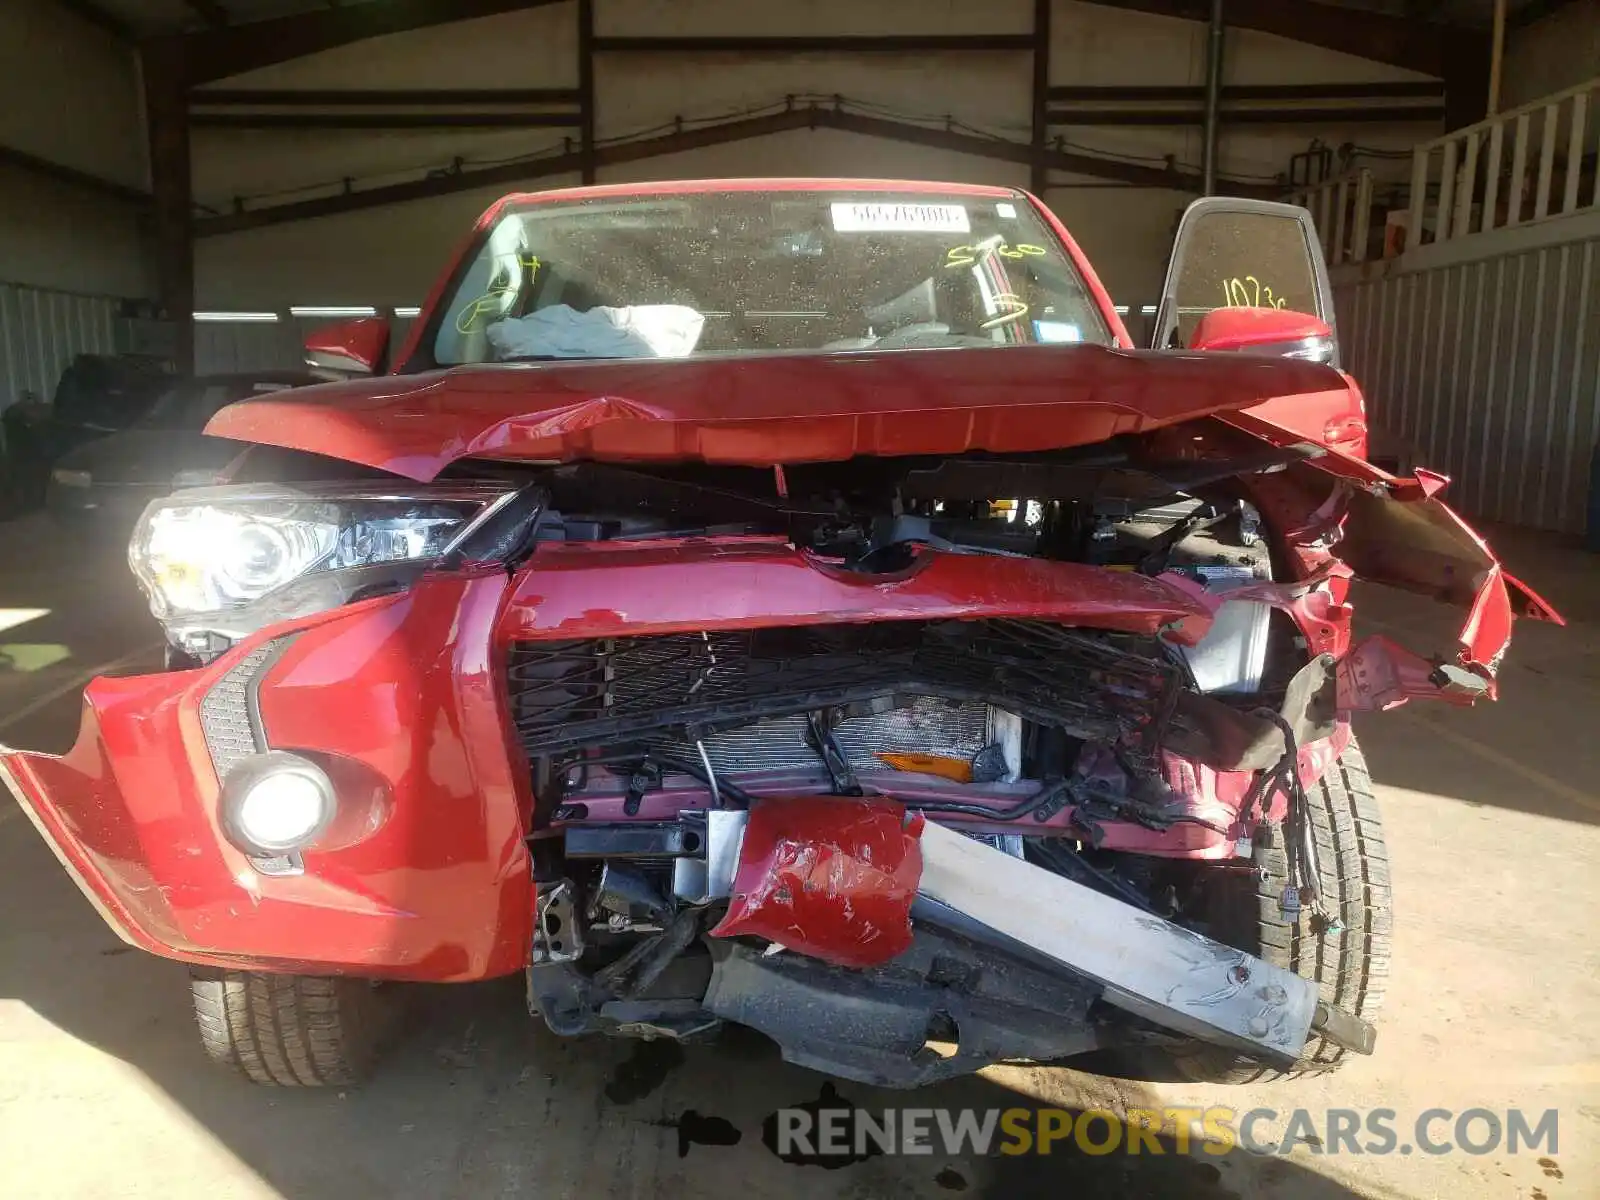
(1380, 673)
(832, 877)
(1398, 532)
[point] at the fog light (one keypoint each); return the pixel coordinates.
(274, 804)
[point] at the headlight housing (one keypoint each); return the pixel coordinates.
(228, 560)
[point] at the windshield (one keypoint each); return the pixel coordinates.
(747, 272)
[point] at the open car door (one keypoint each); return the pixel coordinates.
(1243, 254)
(1248, 276)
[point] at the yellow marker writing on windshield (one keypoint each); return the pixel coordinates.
(491, 303)
(965, 256)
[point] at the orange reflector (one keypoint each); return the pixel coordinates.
(945, 767)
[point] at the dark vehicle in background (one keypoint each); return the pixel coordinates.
(114, 477)
(97, 394)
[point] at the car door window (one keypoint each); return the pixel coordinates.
(1241, 254)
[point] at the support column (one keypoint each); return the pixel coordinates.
(171, 181)
(1039, 176)
(1216, 32)
(1497, 54)
(1470, 89)
(586, 87)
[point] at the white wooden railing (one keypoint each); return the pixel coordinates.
(1474, 341)
(1342, 208)
(1460, 185)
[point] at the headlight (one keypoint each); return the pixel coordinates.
(73, 479)
(215, 552)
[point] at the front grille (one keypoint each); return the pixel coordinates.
(1097, 686)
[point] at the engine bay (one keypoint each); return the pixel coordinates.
(1066, 747)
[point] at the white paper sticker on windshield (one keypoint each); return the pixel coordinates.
(852, 217)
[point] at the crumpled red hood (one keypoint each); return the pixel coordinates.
(758, 410)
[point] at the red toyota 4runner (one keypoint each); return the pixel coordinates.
(793, 603)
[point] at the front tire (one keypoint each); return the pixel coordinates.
(1351, 964)
(291, 1030)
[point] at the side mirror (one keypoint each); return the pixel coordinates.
(351, 347)
(1279, 332)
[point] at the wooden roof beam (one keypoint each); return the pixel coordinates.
(209, 11)
(217, 53)
(1406, 42)
(101, 18)
(721, 133)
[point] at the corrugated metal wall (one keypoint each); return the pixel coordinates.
(41, 331)
(225, 347)
(1490, 369)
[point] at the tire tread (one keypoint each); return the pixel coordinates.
(1351, 966)
(287, 1030)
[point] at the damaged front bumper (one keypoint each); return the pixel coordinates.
(1150, 967)
(857, 935)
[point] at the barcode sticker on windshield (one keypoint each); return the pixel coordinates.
(851, 217)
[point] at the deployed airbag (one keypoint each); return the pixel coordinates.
(561, 331)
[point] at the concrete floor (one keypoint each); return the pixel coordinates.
(1494, 827)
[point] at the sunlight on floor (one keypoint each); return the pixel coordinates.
(31, 656)
(47, 1075)
(1065, 1087)
(10, 618)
